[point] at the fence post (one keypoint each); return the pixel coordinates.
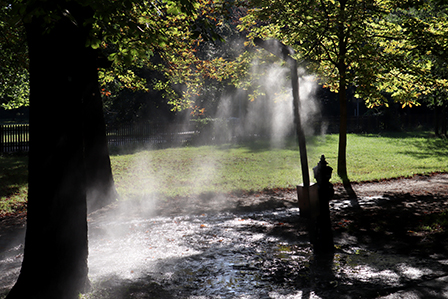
(1, 138)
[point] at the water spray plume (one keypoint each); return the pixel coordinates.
(284, 52)
(138, 246)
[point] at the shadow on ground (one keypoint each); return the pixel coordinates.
(258, 247)
(394, 245)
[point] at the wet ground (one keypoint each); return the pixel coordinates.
(256, 246)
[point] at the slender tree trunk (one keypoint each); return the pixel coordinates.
(56, 249)
(342, 68)
(436, 121)
(342, 147)
(440, 123)
(443, 124)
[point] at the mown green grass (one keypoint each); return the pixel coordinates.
(256, 166)
(252, 166)
(195, 170)
(374, 157)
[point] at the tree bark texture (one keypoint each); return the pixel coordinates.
(342, 146)
(342, 68)
(100, 184)
(56, 248)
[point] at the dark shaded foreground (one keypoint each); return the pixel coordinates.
(255, 246)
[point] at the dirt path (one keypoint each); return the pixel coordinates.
(434, 184)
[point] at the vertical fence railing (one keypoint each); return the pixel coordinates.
(14, 138)
(146, 134)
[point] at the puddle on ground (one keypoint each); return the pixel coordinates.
(230, 255)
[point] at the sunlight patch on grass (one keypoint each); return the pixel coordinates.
(185, 171)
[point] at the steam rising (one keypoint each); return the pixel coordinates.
(272, 114)
(132, 246)
(129, 242)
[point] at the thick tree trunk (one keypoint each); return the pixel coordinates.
(100, 184)
(56, 249)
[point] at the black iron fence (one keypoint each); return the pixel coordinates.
(377, 123)
(149, 134)
(15, 137)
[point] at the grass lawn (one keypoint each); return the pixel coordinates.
(13, 184)
(256, 166)
(247, 167)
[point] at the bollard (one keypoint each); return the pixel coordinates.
(322, 235)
